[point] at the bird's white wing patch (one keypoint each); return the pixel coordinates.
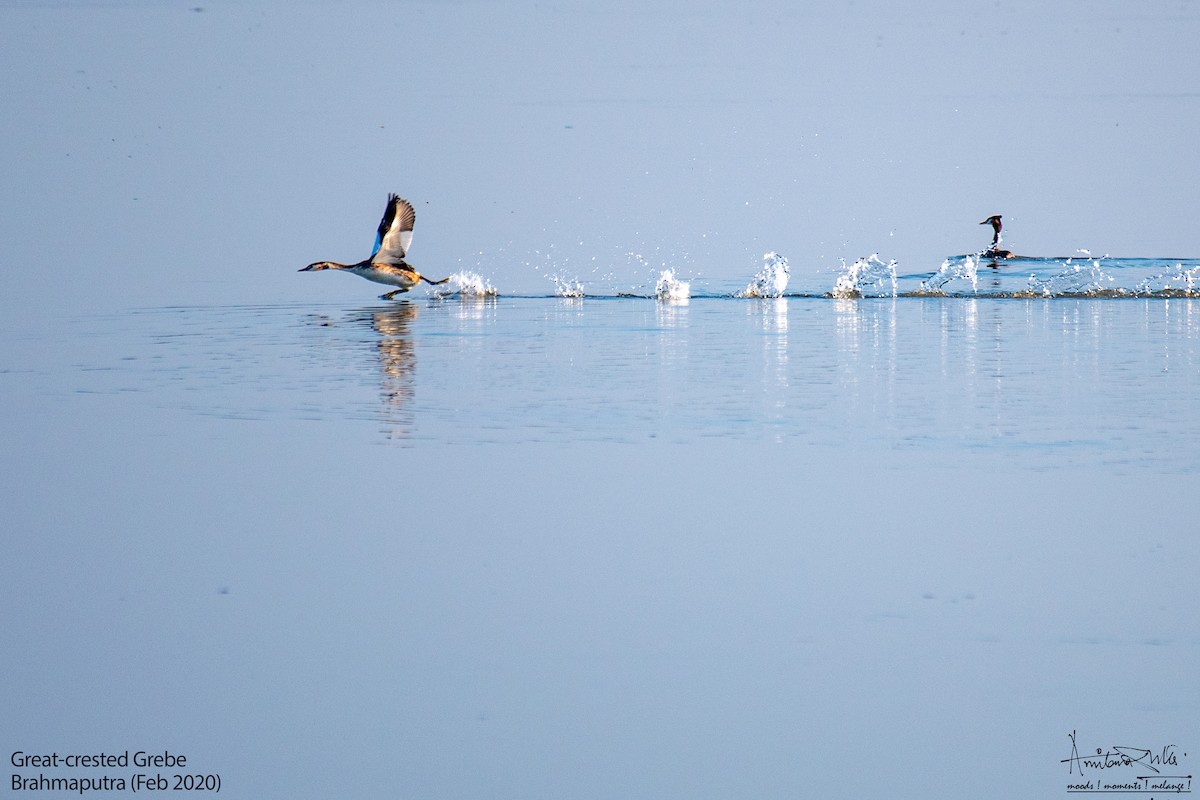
(395, 231)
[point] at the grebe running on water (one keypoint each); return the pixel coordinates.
(994, 251)
(386, 264)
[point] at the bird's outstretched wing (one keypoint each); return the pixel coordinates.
(395, 231)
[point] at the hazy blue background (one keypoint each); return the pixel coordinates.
(330, 546)
(209, 153)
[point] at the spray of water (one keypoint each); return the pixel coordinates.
(670, 288)
(1180, 282)
(771, 280)
(867, 277)
(564, 287)
(952, 270)
(1075, 279)
(465, 284)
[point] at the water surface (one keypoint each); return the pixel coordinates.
(544, 547)
(1043, 378)
(554, 547)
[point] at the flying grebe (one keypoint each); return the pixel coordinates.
(994, 251)
(386, 264)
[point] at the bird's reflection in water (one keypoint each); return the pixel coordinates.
(994, 272)
(397, 364)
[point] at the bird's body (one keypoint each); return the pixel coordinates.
(995, 251)
(386, 264)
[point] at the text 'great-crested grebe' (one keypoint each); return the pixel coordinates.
(386, 264)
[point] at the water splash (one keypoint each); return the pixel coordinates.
(563, 287)
(1076, 279)
(1182, 282)
(952, 270)
(465, 284)
(867, 277)
(669, 288)
(771, 280)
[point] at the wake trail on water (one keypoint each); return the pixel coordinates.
(973, 275)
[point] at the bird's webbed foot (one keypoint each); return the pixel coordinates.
(391, 295)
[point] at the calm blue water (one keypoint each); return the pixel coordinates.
(552, 547)
(1102, 383)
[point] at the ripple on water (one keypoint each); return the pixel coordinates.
(1110, 382)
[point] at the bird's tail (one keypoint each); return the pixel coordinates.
(433, 282)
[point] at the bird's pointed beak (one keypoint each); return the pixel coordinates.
(985, 222)
(309, 268)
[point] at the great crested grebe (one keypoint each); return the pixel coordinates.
(386, 264)
(994, 251)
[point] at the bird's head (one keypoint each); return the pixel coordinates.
(322, 265)
(994, 221)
